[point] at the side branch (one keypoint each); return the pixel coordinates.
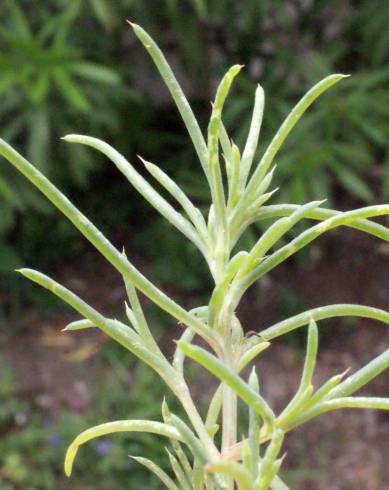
(321, 313)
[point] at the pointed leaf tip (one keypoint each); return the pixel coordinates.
(78, 325)
(69, 459)
(144, 161)
(70, 138)
(24, 271)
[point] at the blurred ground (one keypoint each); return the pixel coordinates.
(338, 451)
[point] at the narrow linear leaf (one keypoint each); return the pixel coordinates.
(278, 484)
(295, 406)
(138, 318)
(182, 458)
(179, 472)
(117, 426)
(233, 183)
(96, 73)
(140, 184)
(265, 474)
(251, 353)
(272, 236)
(322, 313)
(361, 377)
(78, 325)
(322, 392)
(154, 468)
(311, 355)
(225, 142)
(235, 382)
(189, 438)
(113, 328)
(275, 468)
(286, 127)
(374, 403)
(214, 408)
(174, 190)
(265, 183)
(234, 470)
(179, 355)
(307, 237)
(70, 90)
(177, 94)
(355, 402)
(216, 402)
(320, 214)
(258, 203)
(252, 139)
(216, 180)
(220, 290)
(131, 317)
(305, 390)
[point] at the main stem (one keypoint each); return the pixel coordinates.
(223, 324)
(229, 412)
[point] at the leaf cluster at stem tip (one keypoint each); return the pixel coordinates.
(239, 188)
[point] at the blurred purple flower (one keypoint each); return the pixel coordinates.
(103, 446)
(55, 440)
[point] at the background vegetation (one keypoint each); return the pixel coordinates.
(74, 66)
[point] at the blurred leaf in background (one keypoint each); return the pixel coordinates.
(58, 74)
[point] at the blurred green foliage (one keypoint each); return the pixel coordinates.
(72, 66)
(47, 86)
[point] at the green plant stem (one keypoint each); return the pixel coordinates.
(229, 414)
